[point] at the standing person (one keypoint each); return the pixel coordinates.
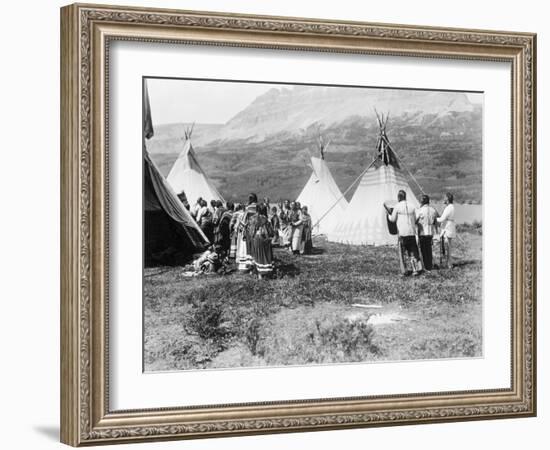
(204, 219)
(286, 228)
(448, 232)
(212, 207)
(195, 209)
(260, 232)
(426, 223)
(234, 229)
(244, 241)
(218, 211)
(307, 244)
(223, 230)
(297, 226)
(276, 225)
(403, 214)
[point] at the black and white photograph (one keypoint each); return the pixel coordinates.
(296, 224)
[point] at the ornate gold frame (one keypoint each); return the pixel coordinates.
(86, 31)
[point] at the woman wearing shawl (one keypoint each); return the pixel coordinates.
(260, 232)
(244, 241)
(234, 229)
(297, 226)
(223, 232)
(307, 244)
(276, 225)
(286, 228)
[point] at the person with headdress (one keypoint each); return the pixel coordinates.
(260, 233)
(426, 224)
(404, 215)
(307, 244)
(223, 232)
(448, 232)
(244, 241)
(297, 226)
(234, 229)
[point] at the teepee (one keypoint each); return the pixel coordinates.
(170, 233)
(188, 177)
(321, 194)
(364, 222)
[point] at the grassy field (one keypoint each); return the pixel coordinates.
(308, 313)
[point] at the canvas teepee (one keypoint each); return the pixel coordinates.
(364, 222)
(188, 177)
(321, 194)
(170, 233)
(169, 229)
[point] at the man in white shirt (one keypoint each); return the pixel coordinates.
(426, 217)
(404, 215)
(448, 231)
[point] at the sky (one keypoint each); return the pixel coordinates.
(176, 101)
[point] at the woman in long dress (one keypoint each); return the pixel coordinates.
(307, 243)
(448, 231)
(296, 224)
(286, 228)
(260, 232)
(223, 231)
(276, 225)
(234, 229)
(244, 242)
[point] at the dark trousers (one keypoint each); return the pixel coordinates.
(426, 250)
(410, 247)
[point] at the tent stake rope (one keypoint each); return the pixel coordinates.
(345, 192)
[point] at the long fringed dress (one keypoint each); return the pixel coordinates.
(260, 232)
(234, 229)
(244, 260)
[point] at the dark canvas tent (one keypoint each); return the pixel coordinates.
(171, 235)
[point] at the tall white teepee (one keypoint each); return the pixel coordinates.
(188, 177)
(364, 222)
(321, 195)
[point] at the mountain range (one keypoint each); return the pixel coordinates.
(266, 146)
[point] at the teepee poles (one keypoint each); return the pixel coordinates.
(345, 192)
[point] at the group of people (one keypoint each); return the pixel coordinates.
(422, 223)
(248, 233)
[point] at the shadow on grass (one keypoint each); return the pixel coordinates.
(316, 251)
(286, 269)
(466, 262)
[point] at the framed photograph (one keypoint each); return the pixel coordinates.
(276, 224)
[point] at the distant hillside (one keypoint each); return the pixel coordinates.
(266, 147)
